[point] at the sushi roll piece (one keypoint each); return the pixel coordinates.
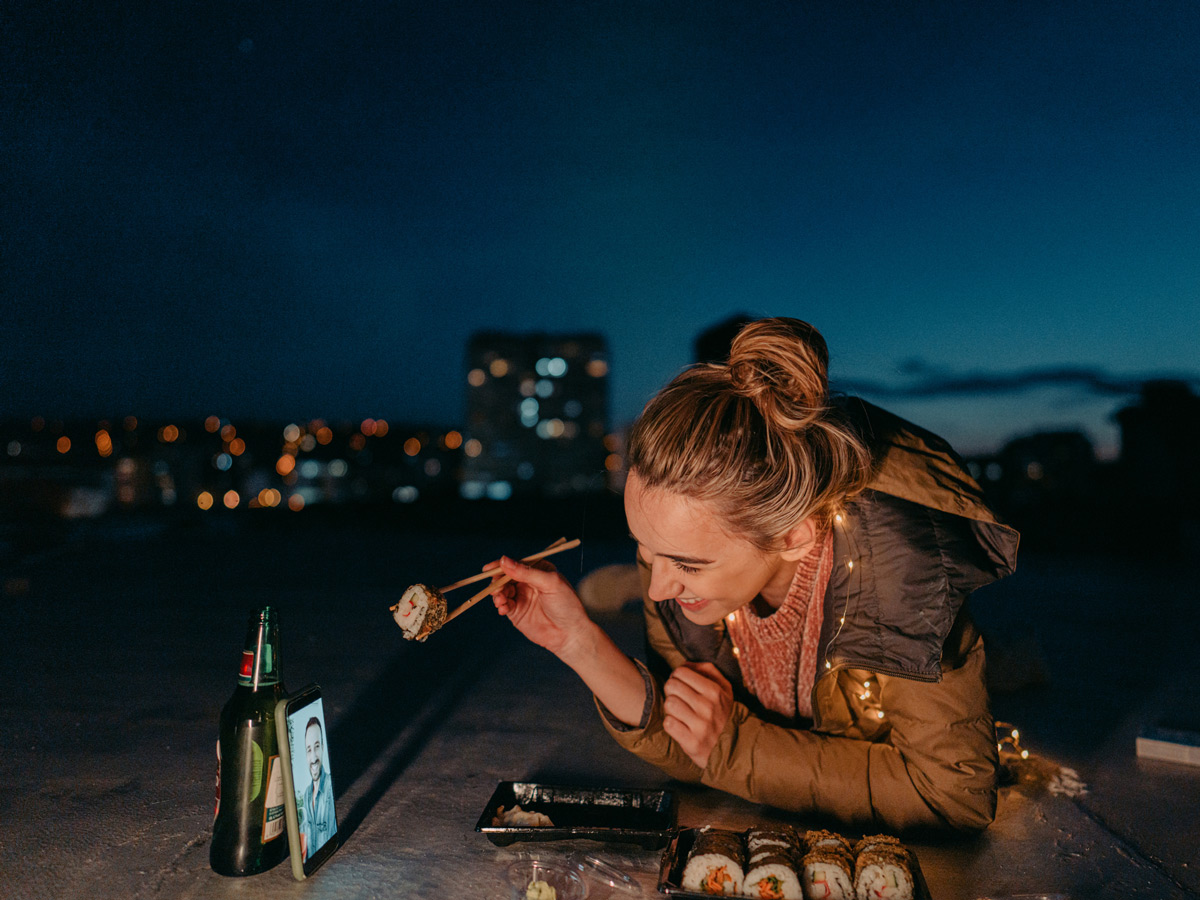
(881, 869)
(829, 840)
(716, 863)
(779, 837)
(773, 876)
(827, 873)
(878, 842)
(420, 612)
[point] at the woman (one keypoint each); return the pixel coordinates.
(806, 564)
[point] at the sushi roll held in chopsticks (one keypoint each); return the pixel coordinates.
(422, 609)
(420, 612)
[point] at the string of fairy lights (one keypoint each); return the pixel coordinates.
(1008, 736)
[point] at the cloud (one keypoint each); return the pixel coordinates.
(931, 382)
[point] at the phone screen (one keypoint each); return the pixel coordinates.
(312, 779)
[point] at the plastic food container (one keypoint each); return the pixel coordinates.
(566, 879)
(618, 815)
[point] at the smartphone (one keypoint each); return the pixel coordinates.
(308, 806)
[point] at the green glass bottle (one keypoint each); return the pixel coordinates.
(248, 829)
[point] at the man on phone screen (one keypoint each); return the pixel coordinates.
(318, 822)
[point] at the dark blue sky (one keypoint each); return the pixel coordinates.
(305, 209)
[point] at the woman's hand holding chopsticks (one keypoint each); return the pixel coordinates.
(541, 604)
(545, 608)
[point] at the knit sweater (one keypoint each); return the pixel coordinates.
(777, 653)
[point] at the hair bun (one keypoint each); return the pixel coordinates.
(781, 364)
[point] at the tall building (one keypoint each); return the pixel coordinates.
(537, 415)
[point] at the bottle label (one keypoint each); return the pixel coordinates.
(273, 807)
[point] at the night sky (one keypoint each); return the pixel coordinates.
(305, 209)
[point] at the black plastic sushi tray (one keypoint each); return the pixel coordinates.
(670, 875)
(616, 815)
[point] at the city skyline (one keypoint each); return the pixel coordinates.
(1028, 402)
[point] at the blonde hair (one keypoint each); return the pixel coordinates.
(757, 437)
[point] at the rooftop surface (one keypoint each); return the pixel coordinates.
(124, 642)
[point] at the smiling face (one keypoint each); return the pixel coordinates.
(695, 561)
(312, 751)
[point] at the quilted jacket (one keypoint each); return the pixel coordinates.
(902, 735)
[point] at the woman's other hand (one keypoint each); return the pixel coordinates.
(697, 701)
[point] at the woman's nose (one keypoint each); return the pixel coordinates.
(664, 585)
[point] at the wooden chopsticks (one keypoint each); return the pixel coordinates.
(557, 547)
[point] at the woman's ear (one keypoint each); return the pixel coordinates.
(799, 540)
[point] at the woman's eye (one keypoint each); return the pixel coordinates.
(690, 570)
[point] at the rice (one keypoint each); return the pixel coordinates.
(881, 869)
(716, 863)
(420, 612)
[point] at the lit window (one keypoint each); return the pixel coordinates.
(472, 448)
(499, 490)
(498, 368)
(597, 368)
(453, 440)
(412, 446)
(529, 412)
(476, 377)
(205, 500)
(406, 493)
(231, 499)
(544, 388)
(550, 428)
(291, 434)
(338, 468)
(472, 490)
(223, 462)
(557, 367)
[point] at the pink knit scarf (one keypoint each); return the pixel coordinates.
(778, 652)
